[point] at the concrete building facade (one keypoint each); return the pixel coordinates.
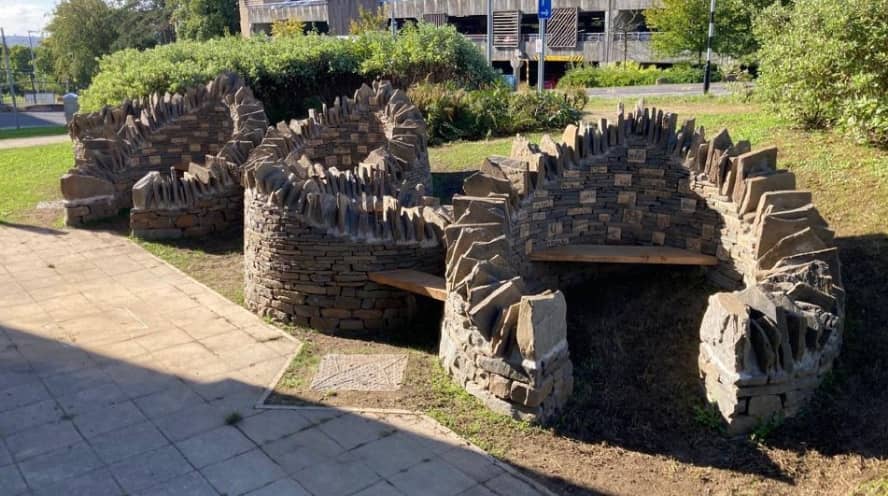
(596, 31)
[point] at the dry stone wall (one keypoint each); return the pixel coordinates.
(642, 179)
(315, 227)
(153, 139)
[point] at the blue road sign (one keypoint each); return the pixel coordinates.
(544, 9)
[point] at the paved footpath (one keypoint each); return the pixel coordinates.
(118, 374)
(33, 141)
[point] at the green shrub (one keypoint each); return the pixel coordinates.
(453, 113)
(630, 74)
(822, 66)
(286, 71)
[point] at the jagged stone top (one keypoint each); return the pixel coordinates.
(406, 134)
(106, 138)
(373, 202)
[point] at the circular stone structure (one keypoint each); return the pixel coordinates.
(153, 141)
(765, 343)
(333, 198)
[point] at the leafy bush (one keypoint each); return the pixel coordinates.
(453, 113)
(822, 66)
(285, 71)
(630, 74)
(423, 52)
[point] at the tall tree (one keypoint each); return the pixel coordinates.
(143, 24)
(79, 32)
(682, 27)
(205, 19)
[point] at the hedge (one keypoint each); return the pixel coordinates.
(454, 113)
(289, 73)
(630, 74)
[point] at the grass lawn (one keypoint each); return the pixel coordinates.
(32, 132)
(637, 422)
(30, 175)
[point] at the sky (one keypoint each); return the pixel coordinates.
(19, 16)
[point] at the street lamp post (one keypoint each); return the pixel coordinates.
(707, 75)
(490, 32)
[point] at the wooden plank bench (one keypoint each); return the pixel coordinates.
(622, 254)
(414, 281)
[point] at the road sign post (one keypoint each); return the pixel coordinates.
(544, 12)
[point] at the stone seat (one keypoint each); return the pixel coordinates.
(414, 281)
(622, 254)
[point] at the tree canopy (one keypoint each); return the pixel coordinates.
(682, 27)
(204, 19)
(81, 31)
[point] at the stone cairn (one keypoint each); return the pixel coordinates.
(765, 346)
(315, 227)
(182, 152)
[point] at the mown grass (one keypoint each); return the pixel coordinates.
(30, 175)
(214, 261)
(32, 132)
(464, 155)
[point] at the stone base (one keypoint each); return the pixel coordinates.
(209, 216)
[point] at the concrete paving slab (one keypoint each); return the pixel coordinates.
(147, 364)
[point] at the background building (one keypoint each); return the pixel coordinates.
(594, 31)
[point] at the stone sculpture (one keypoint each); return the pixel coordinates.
(316, 227)
(182, 152)
(332, 199)
(765, 345)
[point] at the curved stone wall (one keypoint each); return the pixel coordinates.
(642, 180)
(160, 136)
(326, 205)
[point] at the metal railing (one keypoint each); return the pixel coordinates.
(585, 37)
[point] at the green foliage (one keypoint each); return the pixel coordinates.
(20, 58)
(629, 74)
(287, 28)
(763, 430)
(682, 27)
(708, 416)
(205, 19)
(80, 31)
(822, 66)
(423, 52)
(83, 30)
(453, 113)
(285, 71)
(368, 21)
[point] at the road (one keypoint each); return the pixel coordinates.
(657, 90)
(32, 119)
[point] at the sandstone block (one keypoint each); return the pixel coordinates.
(542, 324)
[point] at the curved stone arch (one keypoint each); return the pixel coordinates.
(315, 228)
(641, 179)
(116, 147)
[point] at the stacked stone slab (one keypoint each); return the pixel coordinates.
(642, 179)
(161, 136)
(315, 228)
(502, 338)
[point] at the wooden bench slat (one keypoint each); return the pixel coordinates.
(413, 281)
(622, 254)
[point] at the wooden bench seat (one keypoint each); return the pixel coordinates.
(414, 281)
(621, 254)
